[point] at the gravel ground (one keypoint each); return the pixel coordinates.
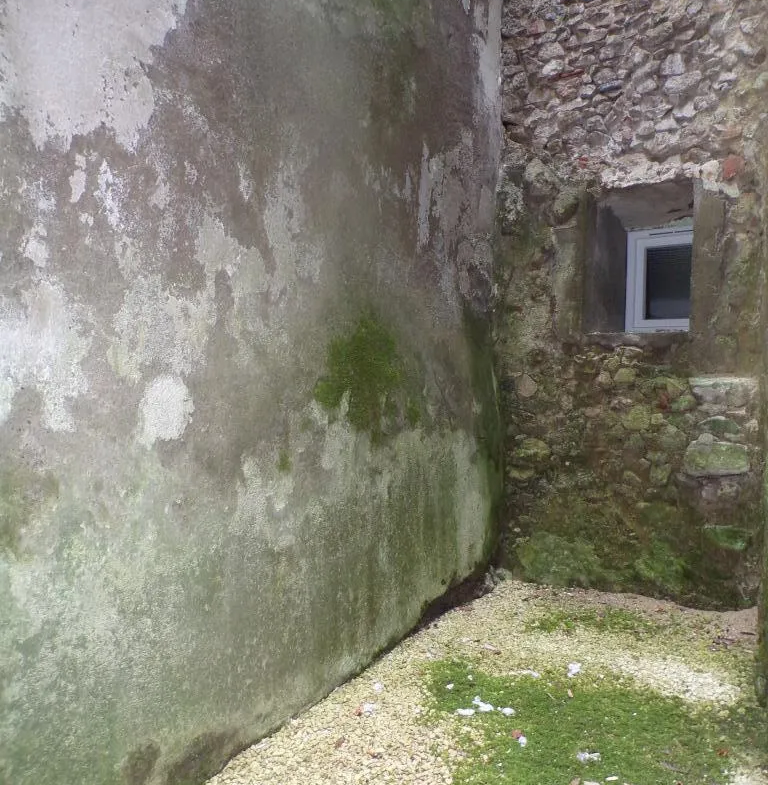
(374, 729)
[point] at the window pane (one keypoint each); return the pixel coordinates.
(668, 282)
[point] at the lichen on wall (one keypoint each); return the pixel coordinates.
(44, 341)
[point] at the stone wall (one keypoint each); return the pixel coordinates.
(627, 473)
(247, 412)
(625, 470)
(591, 82)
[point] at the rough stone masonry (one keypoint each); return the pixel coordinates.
(633, 460)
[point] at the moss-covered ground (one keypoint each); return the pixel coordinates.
(620, 730)
(605, 619)
(663, 693)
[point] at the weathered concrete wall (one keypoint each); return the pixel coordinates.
(601, 99)
(244, 421)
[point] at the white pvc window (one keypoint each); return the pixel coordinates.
(659, 280)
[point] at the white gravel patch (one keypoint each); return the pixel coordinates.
(749, 778)
(673, 677)
(376, 728)
(370, 730)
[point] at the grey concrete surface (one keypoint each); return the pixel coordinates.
(244, 426)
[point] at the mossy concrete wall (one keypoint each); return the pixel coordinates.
(243, 419)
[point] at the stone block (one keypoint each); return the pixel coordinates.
(526, 386)
(685, 403)
(540, 180)
(672, 65)
(718, 459)
(732, 391)
(721, 426)
(731, 538)
(684, 83)
(625, 376)
(551, 51)
(733, 166)
(659, 474)
(638, 418)
(566, 204)
(532, 452)
(672, 439)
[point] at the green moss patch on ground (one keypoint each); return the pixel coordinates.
(604, 619)
(632, 733)
(664, 694)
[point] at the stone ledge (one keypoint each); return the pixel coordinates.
(732, 391)
(610, 340)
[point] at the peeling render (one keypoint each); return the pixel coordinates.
(200, 203)
(43, 345)
(165, 410)
(158, 329)
(73, 67)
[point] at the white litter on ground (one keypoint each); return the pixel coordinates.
(526, 672)
(574, 669)
(482, 707)
(403, 742)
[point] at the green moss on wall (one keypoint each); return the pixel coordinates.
(606, 449)
(659, 566)
(582, 532)
(549, 558)
(366, 366)
(284, 463)
(398, 12)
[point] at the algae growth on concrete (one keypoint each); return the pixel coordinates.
(241, 423)
(367, 367)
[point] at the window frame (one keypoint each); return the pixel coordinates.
(637, 244)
